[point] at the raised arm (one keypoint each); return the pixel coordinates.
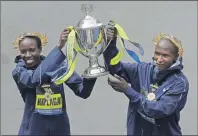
(128, 71)
(82, 87)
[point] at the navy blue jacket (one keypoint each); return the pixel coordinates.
(27, 80)
(145, 117)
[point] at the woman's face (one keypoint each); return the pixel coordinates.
(30, 52)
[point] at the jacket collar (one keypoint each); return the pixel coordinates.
(160, 75)
(19, 60)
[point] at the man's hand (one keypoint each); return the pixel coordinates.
(111, 33)
(118, 84)
(63, 38)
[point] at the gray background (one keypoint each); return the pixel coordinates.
(105, 111)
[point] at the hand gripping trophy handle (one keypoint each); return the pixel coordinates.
(111, 24)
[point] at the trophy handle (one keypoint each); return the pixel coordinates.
(106, 26)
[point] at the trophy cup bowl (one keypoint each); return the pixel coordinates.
(92, 40)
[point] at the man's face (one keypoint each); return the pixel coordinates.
(29, 52)
(164, 55)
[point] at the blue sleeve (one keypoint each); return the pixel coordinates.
(32, 78)
(82, 87)
(128, 71)
(173, 101)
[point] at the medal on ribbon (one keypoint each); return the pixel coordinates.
(151, 96)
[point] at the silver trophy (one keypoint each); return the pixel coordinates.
(92, 40)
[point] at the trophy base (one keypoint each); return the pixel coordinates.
(94, 72)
